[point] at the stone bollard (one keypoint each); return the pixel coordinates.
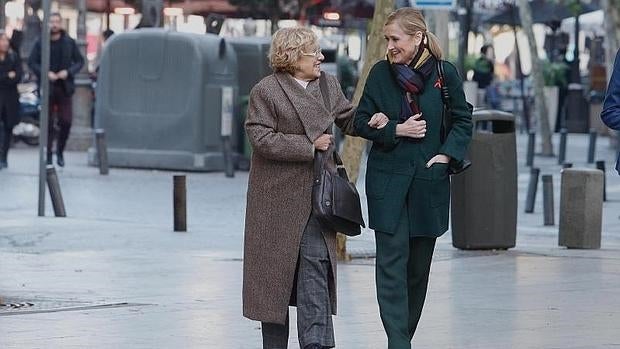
(581, 208)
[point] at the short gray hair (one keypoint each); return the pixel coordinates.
(288, 46)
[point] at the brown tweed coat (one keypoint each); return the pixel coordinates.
(282, 123)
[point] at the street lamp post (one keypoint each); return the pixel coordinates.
(45, 92)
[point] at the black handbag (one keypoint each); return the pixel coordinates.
(335, 200)
(454, 167)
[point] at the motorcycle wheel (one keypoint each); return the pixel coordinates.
(32, 141)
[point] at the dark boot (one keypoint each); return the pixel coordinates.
(3, 147)
(49, 159)
(3, 162)
(60, 159)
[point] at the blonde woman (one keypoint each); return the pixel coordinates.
(407, 184)
(288, 259)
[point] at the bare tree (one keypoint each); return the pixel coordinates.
(525, 13)
(612, 29)
(353, 146)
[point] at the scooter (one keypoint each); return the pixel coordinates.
(27, 130)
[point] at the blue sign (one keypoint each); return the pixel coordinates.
(434, 4)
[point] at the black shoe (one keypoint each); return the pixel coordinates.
(3, 164)
(313, 346)
(60, 160)
(49, 159)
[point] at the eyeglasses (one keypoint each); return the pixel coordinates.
(315, 54)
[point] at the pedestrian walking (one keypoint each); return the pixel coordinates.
(10, 76)
(288, 258)
(407, 181)
(65, 62)
(484, 75)
(611, 106)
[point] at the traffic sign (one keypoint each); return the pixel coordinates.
(434, 4)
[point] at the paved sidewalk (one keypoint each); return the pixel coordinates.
(114, 275)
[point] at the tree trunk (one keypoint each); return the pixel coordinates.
(465, 21)
(539, 102)
(375, 51)
(612, 31)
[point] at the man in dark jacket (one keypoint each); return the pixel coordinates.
(611, 106)
(65, 62)
(484, 73)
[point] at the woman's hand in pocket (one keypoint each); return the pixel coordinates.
(439, 158)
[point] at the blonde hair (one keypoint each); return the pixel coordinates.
(288, 46)
(412, 21)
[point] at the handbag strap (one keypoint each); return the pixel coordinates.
(325, 91)
(446, 115)
(321, 156)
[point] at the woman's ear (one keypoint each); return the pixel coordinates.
(418, 38)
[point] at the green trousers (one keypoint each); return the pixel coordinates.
(403, 266)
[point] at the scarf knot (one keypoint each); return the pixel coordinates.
(411, 79)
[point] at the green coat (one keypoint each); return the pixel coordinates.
(397, 165)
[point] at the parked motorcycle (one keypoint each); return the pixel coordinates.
(27, 130)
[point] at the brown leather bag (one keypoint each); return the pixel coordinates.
(335, 200)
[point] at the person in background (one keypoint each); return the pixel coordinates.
(10, 76)
(484, 74)
(65, 62)
(611, 106)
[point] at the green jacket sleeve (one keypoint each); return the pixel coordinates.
(367, 107)
(458, 139)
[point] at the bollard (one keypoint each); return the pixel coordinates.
(531, 144)
(180, 203)
(55, 193)
(562, 152)
(102, 151)
(592, 146)
(229, 163)
(531, 190)
(581, 208)
(548, 208)
(601, 166)
(567, 165)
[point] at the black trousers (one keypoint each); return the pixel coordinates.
(403, 267)
(61, 117)
(5, 140)
(314, 316)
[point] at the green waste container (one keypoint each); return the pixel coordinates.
(484, 198)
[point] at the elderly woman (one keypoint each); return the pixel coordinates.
(407, 184)
(288, 259)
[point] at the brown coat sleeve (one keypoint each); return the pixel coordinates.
(343, 109)
(260, 126)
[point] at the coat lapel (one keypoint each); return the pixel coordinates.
(308, 104)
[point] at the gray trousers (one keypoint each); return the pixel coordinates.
(314, 319)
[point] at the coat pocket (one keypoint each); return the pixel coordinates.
(376, 183)
(440, 191)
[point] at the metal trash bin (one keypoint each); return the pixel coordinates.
(484, 198)
(255, 52)
(576, 115)
(165, 99)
